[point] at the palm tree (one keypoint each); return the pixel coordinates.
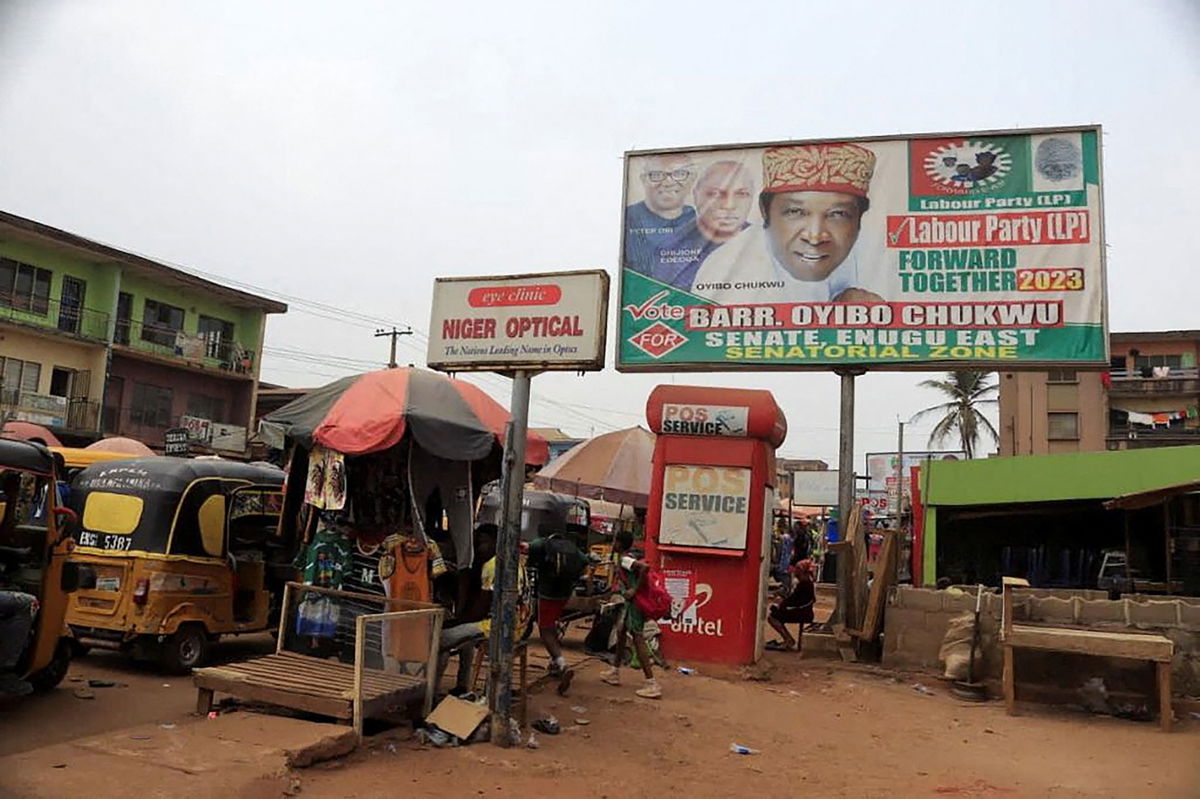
(966, 393)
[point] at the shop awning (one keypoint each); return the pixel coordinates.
(1146, 499)
(1055, 478)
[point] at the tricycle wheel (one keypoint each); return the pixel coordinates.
(49, 677)
(185, 650)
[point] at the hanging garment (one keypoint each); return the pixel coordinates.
(314, 484)
(325, 486)
(407, 640)
(452, 481)
(362, 578)
(1141, 418)
(328, 559)
(317, 616)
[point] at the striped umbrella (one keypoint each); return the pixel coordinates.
(372, 412)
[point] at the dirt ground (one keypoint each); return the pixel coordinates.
(142, 694)
(823, 729)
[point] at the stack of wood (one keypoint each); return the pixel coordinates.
(862, 617)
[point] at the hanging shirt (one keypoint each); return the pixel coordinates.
(327, 559)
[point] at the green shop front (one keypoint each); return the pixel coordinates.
(1043, 517)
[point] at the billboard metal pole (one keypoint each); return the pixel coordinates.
(899, 475)
(845, 489)
(504, 600)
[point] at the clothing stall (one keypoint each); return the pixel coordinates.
(384, 475)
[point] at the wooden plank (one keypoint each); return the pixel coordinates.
(360, 648)
(1164, 695)
(204, 701)
(1010, 686)
(341, 674)
(338, 708)
(311, 672)
(341, 686)
(224, 681)
(1092, 642)
(879, 588)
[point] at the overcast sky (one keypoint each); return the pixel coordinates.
(348, 153)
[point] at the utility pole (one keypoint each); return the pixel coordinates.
(394, 334)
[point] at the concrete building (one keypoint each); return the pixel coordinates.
(1149, 397)
(97, 341)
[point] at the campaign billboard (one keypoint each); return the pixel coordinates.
(983, 250)
(881, 466)
(545, 321)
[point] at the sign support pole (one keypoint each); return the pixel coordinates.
(504, 599)
(846, 504)
(899, 510)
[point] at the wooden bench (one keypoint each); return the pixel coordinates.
(346, 691)
(1135, 646)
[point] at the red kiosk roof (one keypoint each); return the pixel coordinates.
(764, 418)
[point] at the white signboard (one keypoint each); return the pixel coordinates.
(815, 488)
(555, 320)
(199, 429)
(705, 506)
(705, 420)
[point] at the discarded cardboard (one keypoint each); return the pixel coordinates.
(458, 717)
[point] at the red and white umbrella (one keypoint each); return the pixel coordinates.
(372, 412)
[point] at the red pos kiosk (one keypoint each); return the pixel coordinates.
(708, 525)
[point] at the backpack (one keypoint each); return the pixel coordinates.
(564, 563)
(652, 598)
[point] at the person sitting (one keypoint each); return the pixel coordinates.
(465, 631)
(796, 608)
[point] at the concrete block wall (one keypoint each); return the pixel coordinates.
(917, 619)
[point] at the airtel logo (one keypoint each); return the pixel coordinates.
(650, 309)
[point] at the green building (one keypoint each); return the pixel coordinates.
(98, 341)
(1043, 516)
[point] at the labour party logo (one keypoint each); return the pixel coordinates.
(959, 166)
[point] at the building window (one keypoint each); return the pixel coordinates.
(24, 287)
(124, 318)
(150, 405)
(161, 323)
(17, 376)
(1062, 376)
(217, 335)
(1063, 427)
(205, 407)
(1146, 364)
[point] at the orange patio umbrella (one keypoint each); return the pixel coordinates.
(615, 467)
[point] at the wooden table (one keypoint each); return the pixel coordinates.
(1136, 646)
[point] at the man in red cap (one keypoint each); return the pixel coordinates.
(812, 203)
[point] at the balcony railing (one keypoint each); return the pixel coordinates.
(212, 351)
(57, 412)
(54, 315)
(1164, 373)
